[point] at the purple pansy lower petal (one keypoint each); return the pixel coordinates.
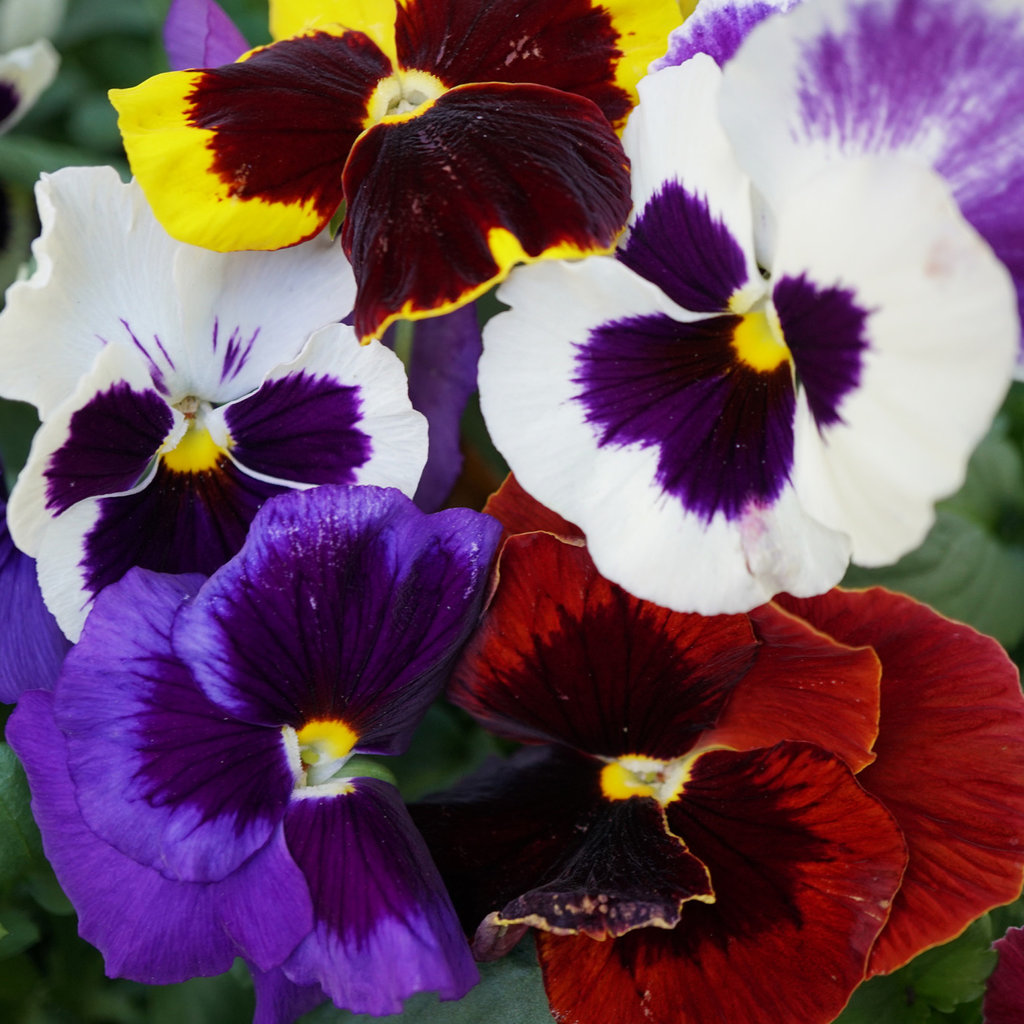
(160, 773)
(279, 1000)
(345, 602)
(942, 84)
(442, 376)
(32, 646)
(724, 431)
(826, 332)
(717, 28)
(385, 927)
(198, 34)
(148, 928)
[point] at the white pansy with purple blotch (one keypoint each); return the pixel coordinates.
(746, 395)
(179, 389)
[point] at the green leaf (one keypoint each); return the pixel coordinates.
(510, 990)
(20, 932)
(20, 845)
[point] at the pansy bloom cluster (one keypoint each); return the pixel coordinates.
(744, 283)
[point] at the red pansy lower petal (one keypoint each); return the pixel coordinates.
(442, 204)
(950, 762)
(563, 655)
(804, 865)
(804, 686)
(520, 512)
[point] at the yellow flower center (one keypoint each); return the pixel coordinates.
(639, 775)
(195, 451)
(324, 746)
(403, 96)
(757, 341)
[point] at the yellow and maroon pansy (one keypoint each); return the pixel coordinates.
(463, 137)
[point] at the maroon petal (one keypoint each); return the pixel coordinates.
(804, 865)
(950, 762)
(442, 204)
(520, 512)
(1004, 997)
(565, 656)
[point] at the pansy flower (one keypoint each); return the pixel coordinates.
(939, 84)
(751, 813)
(190, 772)
(745, 397)
(462, 136)
(24, 73)
(1004, 994)
(179, 389)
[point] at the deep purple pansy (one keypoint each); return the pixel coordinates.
(189, 774)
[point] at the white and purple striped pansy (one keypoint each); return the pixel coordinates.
(747, 395)
(938, 83)
(179, 389)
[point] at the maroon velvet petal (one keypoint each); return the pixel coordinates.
(563, 655)
(804, 686)
(804, 865)
(424, 193)
(1004, 996)
(285, 118)
(950, 762)
(572, 45)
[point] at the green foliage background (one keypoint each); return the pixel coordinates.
(971, 567)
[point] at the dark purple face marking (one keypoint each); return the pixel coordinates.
(825, 332)
(301, 428)
(234, 351)
(690, 255)
(9, 97)
(111, 440)
(181, 522)
(723, 430)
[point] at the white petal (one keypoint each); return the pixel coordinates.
(27, 71)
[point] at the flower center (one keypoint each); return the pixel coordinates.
(757, 341)
(402, 96)
(325, 744)
(638, 775)
(195, 451)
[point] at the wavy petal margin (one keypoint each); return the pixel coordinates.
(950, 762)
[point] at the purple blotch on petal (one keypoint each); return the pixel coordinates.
(198, 34)
(689, 254)
(300, 427)
(825, 331)
(180, 522)
(160, 772)
(723, 430)
(111, 440)
(717, 31)
(8, 100)
(32, 646)
(385, 926)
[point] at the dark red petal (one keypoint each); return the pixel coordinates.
(285, 118)
(563, 655)
(1004, 996)
(950, 762)
(572, 45)
(441, 205)
(803, 864)
(520, 512)
(804, 686)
